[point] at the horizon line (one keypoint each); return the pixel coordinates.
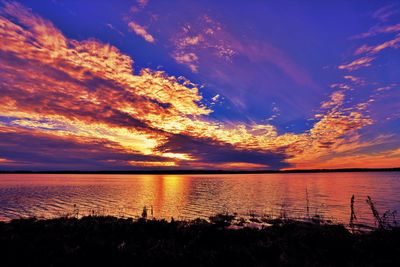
(194, 171)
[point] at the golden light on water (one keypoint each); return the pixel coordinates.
(192, 196)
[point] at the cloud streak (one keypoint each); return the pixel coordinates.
(206, 40)
(141, 31)
(357, 64)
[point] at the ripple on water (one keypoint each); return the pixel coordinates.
(192, 196)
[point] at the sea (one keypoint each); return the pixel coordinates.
(185, 197)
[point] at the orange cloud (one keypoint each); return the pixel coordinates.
(354, 79)
(376, 30)
(394, 43)
(336, 100)
(3, 161)
(356, 64)
(383, 159)
(371, 51)
(152, 163)
(141, 31)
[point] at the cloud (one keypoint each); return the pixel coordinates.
(357, 64)
(142, 3)
(214, 47)
(211, 152)
(371, 50)
(335, 101)
(141, 31)
(80, 104)
(354, 79)
(383, 14)
(378, 29)
(109, 25)
(335, 131)
(215, 98)
(383, 159)
(86, 89)
(34, 149)
(206, 33)
(189, 59)
(203, 36)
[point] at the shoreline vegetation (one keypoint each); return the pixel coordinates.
(194, 171)
(112, 241)
(223, 240)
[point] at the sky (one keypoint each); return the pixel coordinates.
(230, 85)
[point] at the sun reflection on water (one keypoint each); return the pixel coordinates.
(193, 196)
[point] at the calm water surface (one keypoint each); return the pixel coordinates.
(193, 196)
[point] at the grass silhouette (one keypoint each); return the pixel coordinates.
(111, 241)
(223, 240)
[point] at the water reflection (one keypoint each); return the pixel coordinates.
(192, 196)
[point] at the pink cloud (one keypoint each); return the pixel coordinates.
(142, 3)
(357, 64)
(376, 30)
(189, 59)
(211, 42)
(384, 13)
(141, 31)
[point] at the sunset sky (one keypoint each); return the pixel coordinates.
(151, 84)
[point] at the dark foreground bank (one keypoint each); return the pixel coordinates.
(109, 241)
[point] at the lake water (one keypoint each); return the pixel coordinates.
(193, 196)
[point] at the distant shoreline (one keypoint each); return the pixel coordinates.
(206, 171)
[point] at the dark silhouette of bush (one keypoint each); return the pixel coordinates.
(110, 241)
(222, 219)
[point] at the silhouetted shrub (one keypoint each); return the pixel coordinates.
(110, 241)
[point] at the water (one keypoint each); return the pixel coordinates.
(193, 196)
